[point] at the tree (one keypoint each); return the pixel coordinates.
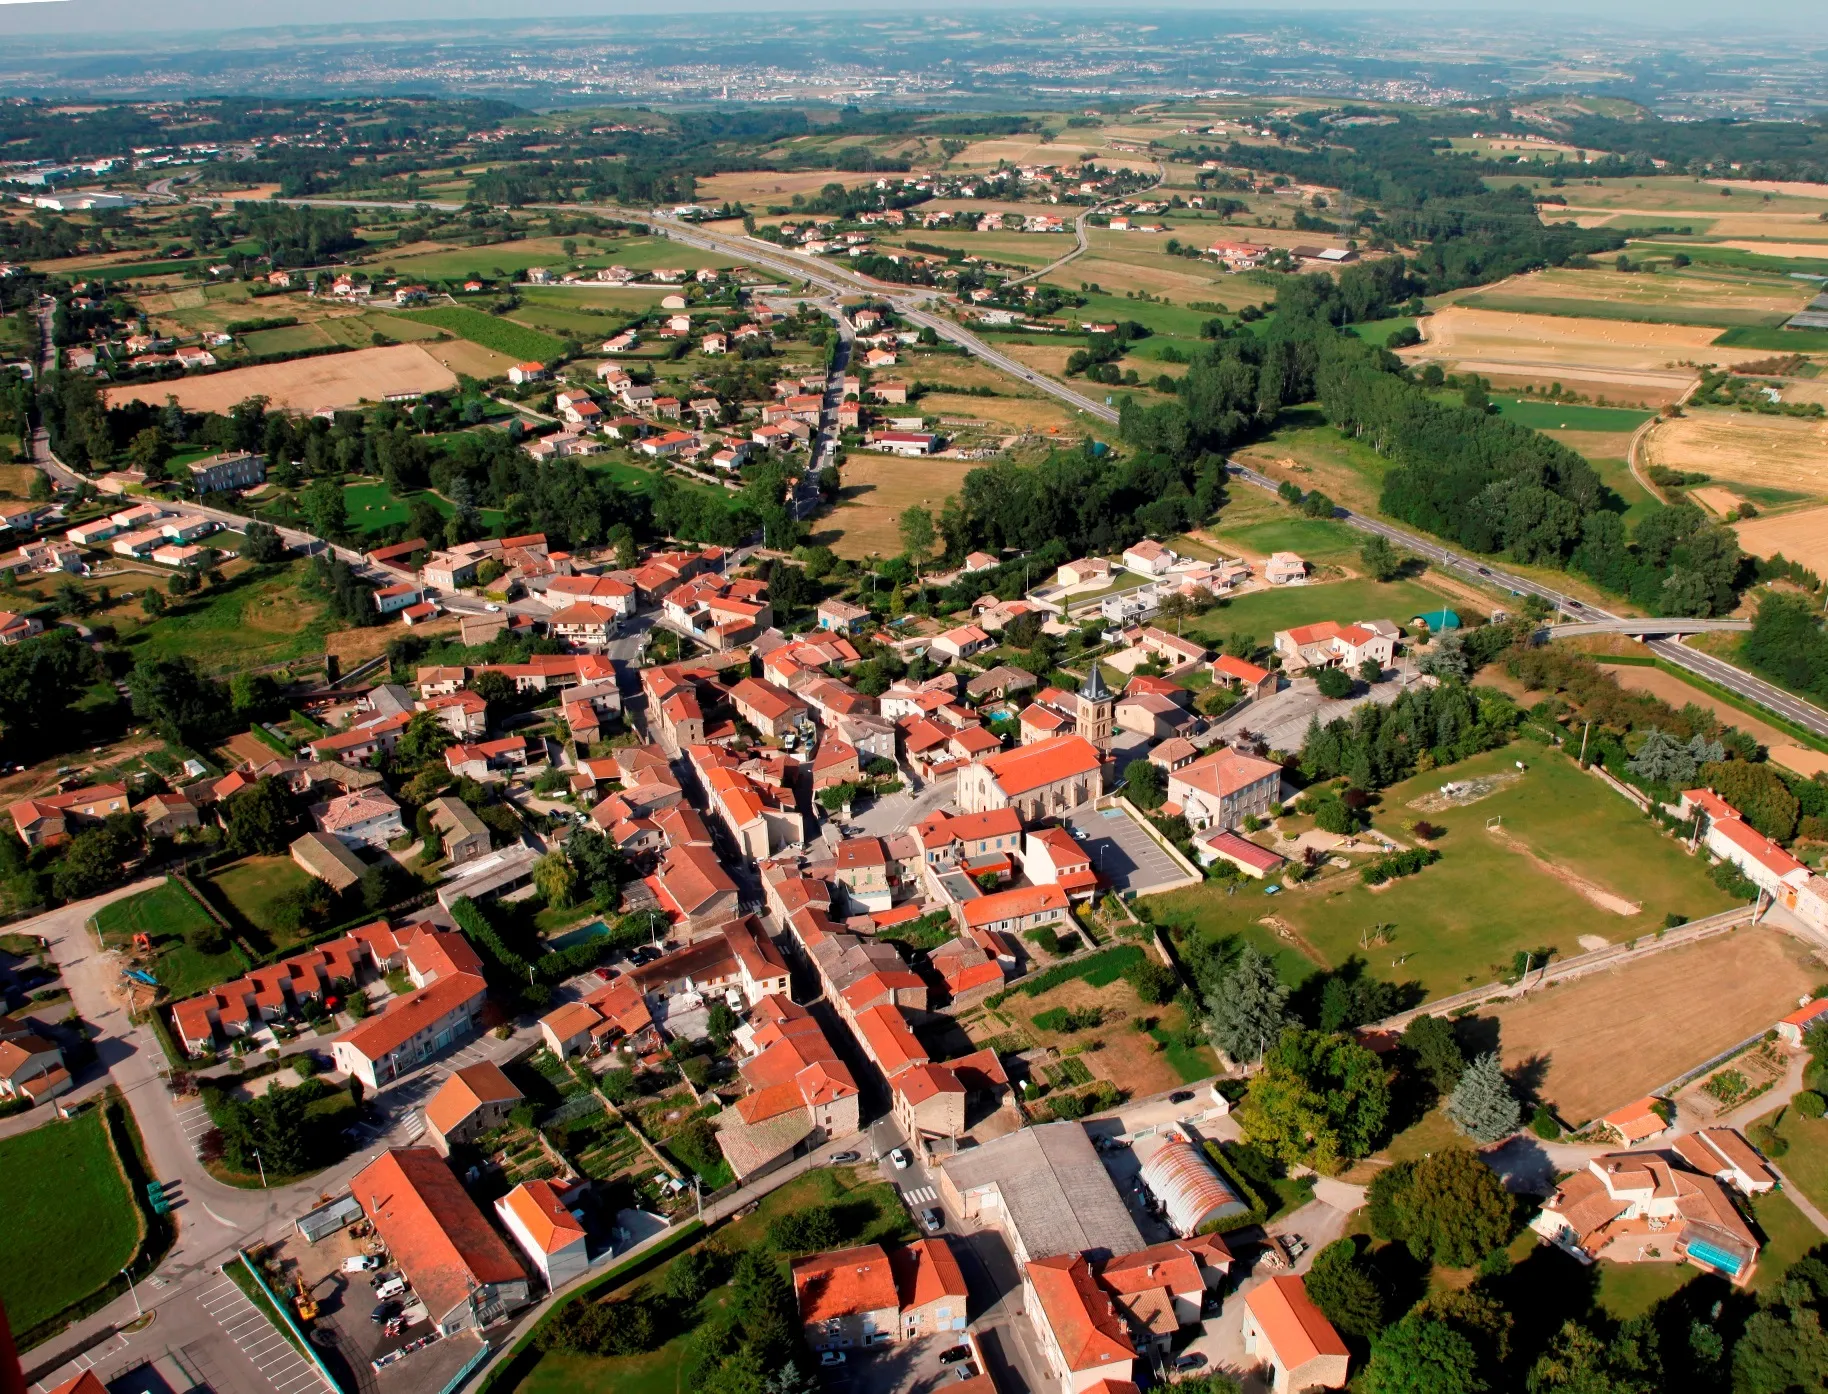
(1345, 1291)
(494, 688)
(1448, 1208)
(1447, 657)
(264, 543)
(1581, 1362)
(152, 604)
(1317, 505)
(326, 508)
(692, 1275)
(1155, 982)
(178, 700)
(555, 880)
(1371, 671)
(916, 527)
(1422, 1355)
(1249, 1008)
(1431, 1044)
(1320, 1100)
(1482, 1105)
(259, 819)
(1783, 1347)
(1380, 559)
(1334, 682)
(94, 859)
(1662, 760)
(1144, 784)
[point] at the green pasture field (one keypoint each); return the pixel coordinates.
(490, 331)
(1316, 539)
(373, 506)
(573, 321)
(1454, 923)
(1709, 318)
(1552, 416)
(1777, 340)
(73, 1225)
(168, 913)
(1616, 475)
(1377, 331)
(358, 331)
(1262, 613)
(1175, 321)
(256, 617)
(291, 339)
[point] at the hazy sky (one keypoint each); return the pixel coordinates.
(109, 16)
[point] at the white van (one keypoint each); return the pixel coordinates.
(393, 1287)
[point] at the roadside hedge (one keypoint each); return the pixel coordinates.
(1259, 1208)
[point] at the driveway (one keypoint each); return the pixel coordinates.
(1281, 721)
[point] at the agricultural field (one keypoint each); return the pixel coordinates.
(358, 331)
(1037, 414)
(1137, 1062)
(1571, 860)
(876, 489)
(1800, 536)
(83, 1227)
(292, 338)
(496, 333)
(1692, 296)
(763, 187)
(1734, 447)
(501, 260)
(1589, 1045)
(1546, 346)
(304, 385)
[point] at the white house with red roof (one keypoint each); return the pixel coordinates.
(551, 1237)
(1329, 644)
(1225, 787)
(1777, 874)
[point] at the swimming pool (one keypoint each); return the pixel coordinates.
(583, 934)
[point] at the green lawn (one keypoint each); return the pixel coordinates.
(254, 885)
(1455, 920)
(1378, 331)
(491, 331)
(1316, 539)
(1262, 613)
(73, 1225)
(167, 913)
(1806, 1163)
(373, 506)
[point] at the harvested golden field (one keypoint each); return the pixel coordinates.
(1159, 275)
(1777, 452)
(1679, 193)
(875, 491)
(1710, 496)
(304, 385)
(953, 370)
(987, 154)
(1620, 389)
(472, 360)
(1048, 358)
(768, 186)
(1595, 1047)
(1800, 536)
(1460, 333)
(1788, 188)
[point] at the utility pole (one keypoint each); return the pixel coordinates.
(138, 1311)
(263, 1168)
(1582, 762)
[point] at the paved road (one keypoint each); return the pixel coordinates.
(1735, 680)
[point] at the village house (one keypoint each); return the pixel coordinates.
(1224, 788)
(1633, 1207)
(471, 1101)
(552, 1238)
(1332, 645)
(1291, 1338)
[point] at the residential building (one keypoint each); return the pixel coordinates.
(1332, 645)
(1086, 572)
(1802, 1021)
(464, 836)
(1725, 1155)
(613, 1014)
(362, 818)
(1284, 569)
(1633, 1207)
(1014, 912)
(840, 616)
(456, 1263)
(240, 470)
(551, 1237)
(1246, 677)
(49, 819)
(962, 642)
(167, 815)
(413, 1029)
(974, 841)
(1777, 874)
(861, 866)
(1640, 1121)
(1149, 558)
(526, 372)
(325, 857)
(1291, 1338)
(32, 1067)
(771, 710)
(1224, 788)
(1083, 1338)
(877, 1294)
(1052, 857)
(469, 1103)
(800, 1092)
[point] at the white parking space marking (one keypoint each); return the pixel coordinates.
(270, 1350)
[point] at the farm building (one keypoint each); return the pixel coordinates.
(1189, 1187)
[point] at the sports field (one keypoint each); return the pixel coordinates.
(83, 1226)
(1594, 1046)
(304, 385)
(1571, 857)
(1780, 452)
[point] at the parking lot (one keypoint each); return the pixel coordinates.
(906, 1367)
(247, 1326)
(1122, 853)
(1281, 720)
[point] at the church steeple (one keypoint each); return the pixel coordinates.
(1095, 719)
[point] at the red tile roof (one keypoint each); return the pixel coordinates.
(1296, 1330)
(406, 1017)
(1011, 904)
(889, 1040)
(1031, 767)
(1082, 1317)
(926, 1271)
(466, 1091)
(432, 1228)
(849, 1282)
(550, 1225)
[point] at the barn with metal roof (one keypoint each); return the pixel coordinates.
(1189, 1187)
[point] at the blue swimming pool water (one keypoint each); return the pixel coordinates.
(1714, 1257)
(583, 934)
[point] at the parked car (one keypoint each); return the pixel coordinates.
(384, 1312)
(840, 1158)
(393, 1287)
(931, 1220)
(901, 1157)
(831, 1357)
(1192, 1360)
(956, 1354)
(1180, 1096)
(361, 1263)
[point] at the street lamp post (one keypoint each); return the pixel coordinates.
(138, 1311)
(263, 1168)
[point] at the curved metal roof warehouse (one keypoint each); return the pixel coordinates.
(1189, 1187)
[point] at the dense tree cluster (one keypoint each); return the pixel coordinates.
(1379, 745)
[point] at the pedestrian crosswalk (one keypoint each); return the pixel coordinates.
(920, 1195)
